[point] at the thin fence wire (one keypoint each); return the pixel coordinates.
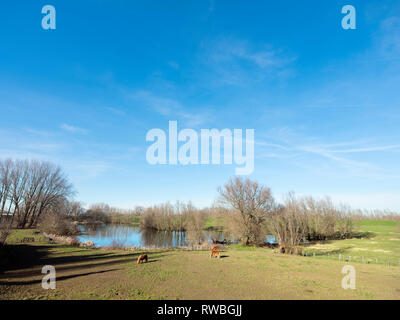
(389, 261)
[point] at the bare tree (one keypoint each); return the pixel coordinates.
(54, 186)
(75, 209)
(138, 211)
(19, 179)
(194, 223)
(288, 223)
(28, 188)
(5, 183)
(250, 204)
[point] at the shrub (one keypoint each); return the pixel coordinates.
(57, 224)
(181, 217)
(305, 217)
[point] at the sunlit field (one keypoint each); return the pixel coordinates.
(241, 272)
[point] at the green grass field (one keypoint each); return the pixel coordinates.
(241, 273)
(126, 219)
(214, 224)
(380, 244)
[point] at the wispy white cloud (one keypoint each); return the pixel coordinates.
(388, 38)
(174, 65)
(233, 50)
(326, 153)
(38, 132)
(43, 147)
(116, 111)
(91, 169)
(231, 61)
(14, 153)
(288, 145)
(170, 108)
(368, 149)
(162, 105)
(273, 145)
(72, 129)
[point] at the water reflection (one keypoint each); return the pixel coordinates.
(130, 236)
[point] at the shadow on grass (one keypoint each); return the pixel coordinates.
(37, 281)
(325, 253)
(150, 261)
(356, 235)
(362, 235)
(37, 270)
(15, 257)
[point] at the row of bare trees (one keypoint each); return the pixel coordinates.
(253, 213)
(102, 212)
(29, 189)
(110, 210)
(249, 213)
(305, 218)
(376, 215)
(179, 217)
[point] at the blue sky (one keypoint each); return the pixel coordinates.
(323, 101)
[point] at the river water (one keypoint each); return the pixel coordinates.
(131, 236)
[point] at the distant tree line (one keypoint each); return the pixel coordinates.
(104, 213)
(376, 215)
(164, 217)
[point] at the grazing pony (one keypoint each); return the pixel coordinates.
(215, 252)
(141, 258)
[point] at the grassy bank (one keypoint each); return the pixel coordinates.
(379, 242)
(241, 273)
(214, 224)
(126, 220)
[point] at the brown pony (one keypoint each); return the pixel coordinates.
(215, 252)
(141, 258)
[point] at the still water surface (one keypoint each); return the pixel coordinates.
(131, 236)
